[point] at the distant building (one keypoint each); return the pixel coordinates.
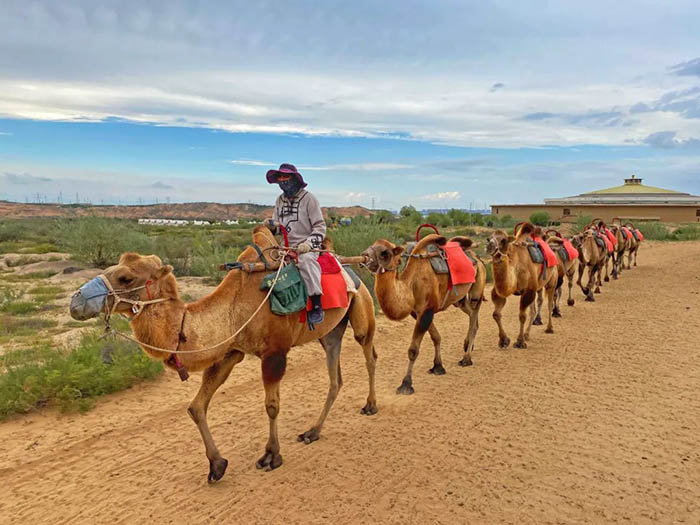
(632, 201)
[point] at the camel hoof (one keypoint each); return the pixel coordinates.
(269, 461)
(309, 436)
(570, 302)
(597, 290)
(556, 313)
(549, 331)
(590, 299)
(607, 279)
(438, 370)
(216, 470)
(466, 361)
(520, 344)
(369, 409)
(503, 342)
(406, 388)
(537, 321)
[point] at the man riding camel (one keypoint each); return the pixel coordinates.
(299, 213)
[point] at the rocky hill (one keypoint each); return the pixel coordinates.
(187, 210)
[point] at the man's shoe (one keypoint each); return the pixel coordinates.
(316, 316)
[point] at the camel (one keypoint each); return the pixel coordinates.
(603, 230)
(566, 267)
(172, 324)
(591, 256)
(633, 247)
(620, 247)
(514, 273)
(418, 291)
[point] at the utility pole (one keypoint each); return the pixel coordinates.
(372, 202)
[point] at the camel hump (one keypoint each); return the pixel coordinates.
(428, 240)
(464, 242)
(526, 228)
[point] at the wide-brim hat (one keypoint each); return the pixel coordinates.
(284, 169)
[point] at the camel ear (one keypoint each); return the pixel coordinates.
(441, 241)
(163, 271)
(398, 250)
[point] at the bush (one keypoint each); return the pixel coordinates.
(655, 231)
(581, 222)
(689, 232)
(42, 376)
(540, 218)
(100, 241)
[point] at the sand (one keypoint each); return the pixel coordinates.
(597, 423)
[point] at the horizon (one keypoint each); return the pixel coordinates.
(433, 104)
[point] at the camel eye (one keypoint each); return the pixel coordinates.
(384, 253)
(125, 280)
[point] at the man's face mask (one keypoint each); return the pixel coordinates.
(290, 187)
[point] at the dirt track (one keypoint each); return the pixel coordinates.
(599, 422)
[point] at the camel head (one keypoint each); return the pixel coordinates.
(135, 278)
(382, 256)
(497, 244)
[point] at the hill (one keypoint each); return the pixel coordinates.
(186, 210)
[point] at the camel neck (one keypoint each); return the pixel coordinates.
(394, 293)
(504, 279)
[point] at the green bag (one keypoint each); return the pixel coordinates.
(289, 294)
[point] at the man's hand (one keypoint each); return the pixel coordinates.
(304, 247)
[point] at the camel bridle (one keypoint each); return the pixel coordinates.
(137, 305)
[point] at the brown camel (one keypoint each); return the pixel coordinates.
(172, 324)
(418, 291)
(514, 273)
(620, 247)
(567, 267)
(591, 256)
(633, 246)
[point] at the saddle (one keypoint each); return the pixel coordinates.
(541, 253)
(600, 241)
(635, 234)
(451, 259)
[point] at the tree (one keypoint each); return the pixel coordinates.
(540, 218)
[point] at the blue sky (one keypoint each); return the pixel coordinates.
(433, 103)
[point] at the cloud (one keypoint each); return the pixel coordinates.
(366, 166)
(5, 133)
(442, 196)
(162, 186)
(668, 140)
(689, 68)
(247, 162)
(497, 86)
(23, 179)
(354, 197)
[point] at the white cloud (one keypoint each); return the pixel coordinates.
(6, 133)
(442, 196)
(246, 162)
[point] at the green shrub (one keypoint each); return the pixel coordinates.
(24, 326)
(581, 222)
(46, 290)
(43, 376)
(540, 218)
(654, 231)
(690, 232)
(100, 241)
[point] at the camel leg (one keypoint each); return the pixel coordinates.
(538, 318)
(588, 290)
(581, 272)
(570, 278)
(363, 325)
(550, 309)
(273, 368)
(498, 304)
(422, 325)
(438, 369)
(331, 343)
(635, 255)
(473, 313)
(629, 260)
(558, 292)
(212, 378)
(526, 300)
(599, 280)
(607, 269)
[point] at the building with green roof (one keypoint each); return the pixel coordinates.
(632, 201)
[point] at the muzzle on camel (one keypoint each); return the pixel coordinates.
(89, 300)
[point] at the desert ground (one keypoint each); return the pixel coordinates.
(597, 423)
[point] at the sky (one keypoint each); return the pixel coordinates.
(436, 103)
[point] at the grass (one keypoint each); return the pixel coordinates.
(22, 327)
(41, 376)
(46, 290)
(32, 276)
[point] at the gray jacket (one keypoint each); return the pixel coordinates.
(302, 217)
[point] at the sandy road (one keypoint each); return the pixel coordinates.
(599, 422)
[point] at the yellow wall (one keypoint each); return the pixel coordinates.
(606, 212)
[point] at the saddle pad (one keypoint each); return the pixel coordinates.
(535, 253)
(328, 264)
(462, 270)
(547, 251)
(636, 235)
(439, 265)
(608, 245)
(573, 252)
(355, 278)
(626, 233)
(335, 294)
(639, 234)
(563, 253)
(611, 237)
